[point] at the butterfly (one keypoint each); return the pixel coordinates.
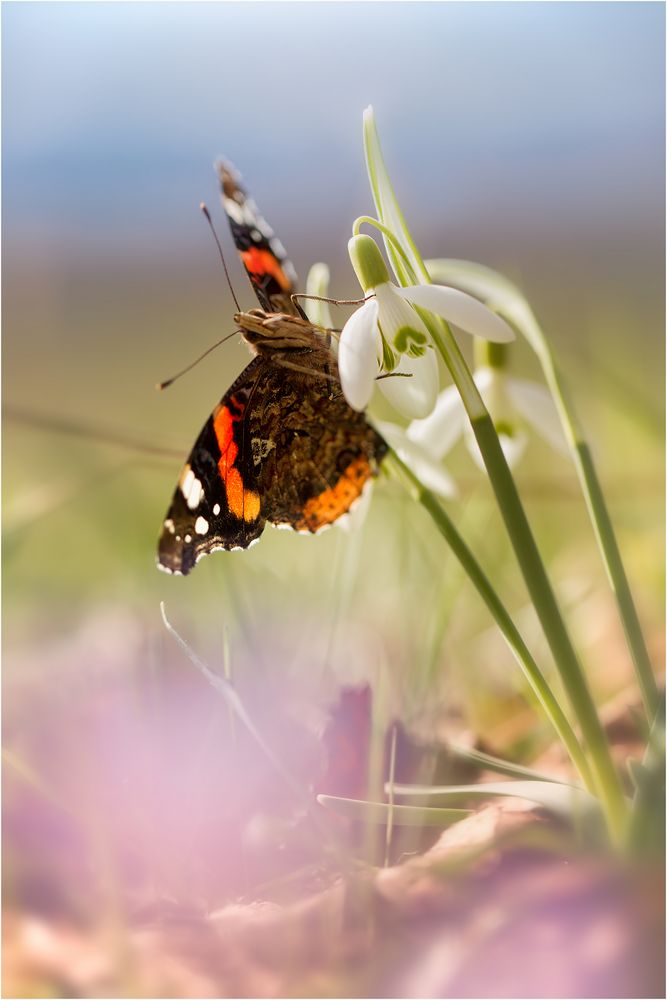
(282, 447)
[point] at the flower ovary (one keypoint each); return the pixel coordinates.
(367, 262)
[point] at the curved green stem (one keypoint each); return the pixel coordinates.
(503, 296)
(368, 220)
(536, 579)
(389, 210)
(603, 528)
(528, 556)
(512, 636)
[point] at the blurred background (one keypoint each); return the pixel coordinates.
(528, 137)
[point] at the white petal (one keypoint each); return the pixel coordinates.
(461, 309)
(536, 406)
(493, 385)
(357, 355)
(396, 315)
(412, 387)
(483, 378)
(492, 288)
(439, 433)
(429, 472)
(485, 284)
(513, 447)
(317, 283)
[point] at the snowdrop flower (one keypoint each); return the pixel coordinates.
(317, 285)
(388, 330)
(513, 404)
(430, 472)
(419, 459)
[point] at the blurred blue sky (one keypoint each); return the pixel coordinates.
(112, 113)
(527, 136)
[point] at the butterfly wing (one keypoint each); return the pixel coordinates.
(312, 453)
(216, 504)
(272, 275)
(280, 447)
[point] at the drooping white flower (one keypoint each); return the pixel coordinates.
(388, 332)
(317, 286)
(513, 404)
(425, 466)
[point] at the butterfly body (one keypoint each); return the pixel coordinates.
(269, 333)
(282, 446)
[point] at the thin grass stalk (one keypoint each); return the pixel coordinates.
(603, 528)
(512, 636)
(537, 582)
(517, 525)
(508, 302)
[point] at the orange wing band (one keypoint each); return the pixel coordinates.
(242, 503)
(328, 506)
(259, 262)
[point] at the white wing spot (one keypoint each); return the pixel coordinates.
(234, 210)
(196, 494)
(186, 481)
(169, 526)
(216, 509)
(191, 488)
(201, 525)
(187, 539)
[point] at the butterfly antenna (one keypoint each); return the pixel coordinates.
(335, 302)
(207, 215)
(165, 385)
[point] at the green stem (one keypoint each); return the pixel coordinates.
(508, 301)
(511, 634)
(537, 582)
(602, 526)
(513, 514)
(368, 220)
(388, 208)
(646, 829)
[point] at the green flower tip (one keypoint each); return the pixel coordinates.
(367, 262)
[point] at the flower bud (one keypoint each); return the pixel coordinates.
(367, 262)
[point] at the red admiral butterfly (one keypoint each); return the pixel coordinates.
(282, 446)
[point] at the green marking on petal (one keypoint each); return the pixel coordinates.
(402, 339)
(406, 337)
(388, 357)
